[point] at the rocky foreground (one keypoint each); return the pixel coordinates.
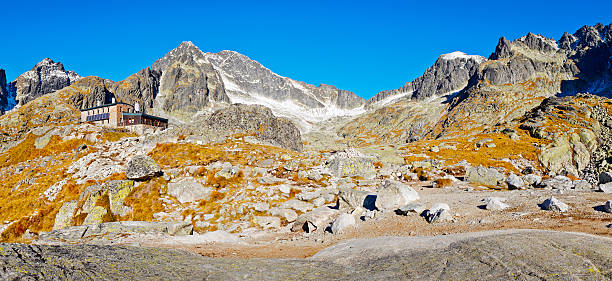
(515, 254)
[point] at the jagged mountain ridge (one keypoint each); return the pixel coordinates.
(450, 73)
(517, 77)
(247, 81)
(45, 77)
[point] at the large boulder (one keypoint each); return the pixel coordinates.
(342, 222)
(485, 176)
(554, 204)
(515, 182)
(558, 182)
(315, 220)
(439, 212)
(392, 195)
(117, 192)
(349, 198)
(351, 163)
(142, 167)
(188, 190)
(605, 177)
(605, 188)
(259, 120)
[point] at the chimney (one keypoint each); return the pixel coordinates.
(137, 107)
(113, 100)
(99, 103)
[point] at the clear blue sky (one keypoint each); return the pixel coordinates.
(361, 46)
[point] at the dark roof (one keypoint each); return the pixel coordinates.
(146, 115)
(105, 105)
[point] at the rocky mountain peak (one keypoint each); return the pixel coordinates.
(450, 73)
(502, 50)
(45, 77)
(537, 42)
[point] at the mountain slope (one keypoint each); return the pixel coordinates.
(247, 81)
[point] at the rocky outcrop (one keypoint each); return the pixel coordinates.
(259, 121)
(141, 88)
(351, 163)
(47, 76)
(142, 167)
(487, 255)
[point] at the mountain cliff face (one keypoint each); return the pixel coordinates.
(3, 91)
(450, 73)
(188, 82)
(45, 77)
(247, 81)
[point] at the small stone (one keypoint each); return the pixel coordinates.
(434, 149)
(495, 204)
(554, 204)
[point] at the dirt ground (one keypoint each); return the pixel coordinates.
(585, 215)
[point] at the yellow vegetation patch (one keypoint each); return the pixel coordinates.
(466, 150)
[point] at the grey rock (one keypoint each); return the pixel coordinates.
(297, 205)
(392, 195)
(142, 167)
(495, 203)
(502, 50)
(485, 176)
(188, 190)
(413, 207)
(450, 73)
(259, 120)
(252, 78)
(439, 212)
(261, 206)
(351, 163)
(141, 87)
(542, 253)
(581, 185)
(267, 222)
(605, 177)
(605, 188)
(351, 199)
(515, 182)
(315, 220)
(532, 179)
(554, 204)
(342, 222)
(558, 182)
(608, 206)
(288, 214)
